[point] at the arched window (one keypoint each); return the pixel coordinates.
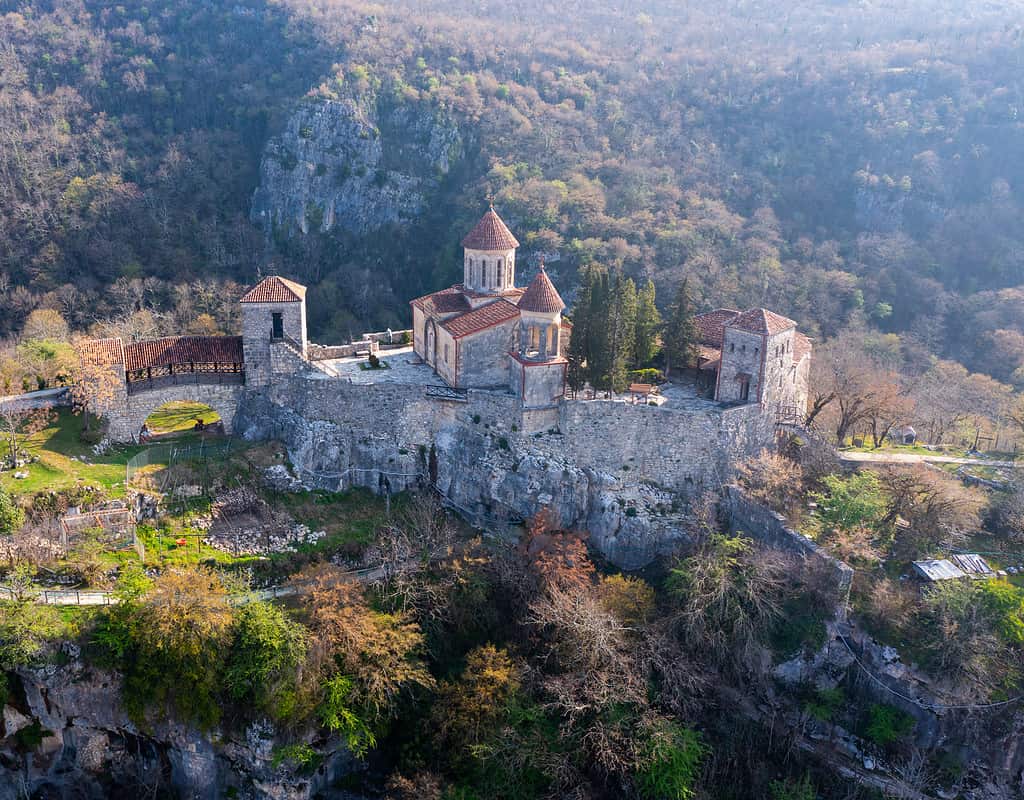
(484, 283)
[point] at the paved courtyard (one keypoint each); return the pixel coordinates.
(403, 367)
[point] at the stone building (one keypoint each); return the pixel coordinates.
(755, 356)
(486, 333)
(274, 310)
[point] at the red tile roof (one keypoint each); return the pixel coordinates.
(801, 347)
(275, 289)
(184, 350)
(711, 325)
(102, 352)
(541, 295)
(763, 321)
(482, 318)
(443, 302)
(490, 233)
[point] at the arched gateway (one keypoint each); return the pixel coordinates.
(129, 381)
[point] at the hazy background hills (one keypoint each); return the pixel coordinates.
(835, 161)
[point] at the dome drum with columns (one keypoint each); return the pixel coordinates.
(486, 332)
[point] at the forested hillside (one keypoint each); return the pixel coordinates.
(835, 161)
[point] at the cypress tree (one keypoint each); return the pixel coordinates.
(680, 337)
(621, 333)
(578, 353)
(648, 322)
(599, 365)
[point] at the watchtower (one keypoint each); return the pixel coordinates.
(273, 312)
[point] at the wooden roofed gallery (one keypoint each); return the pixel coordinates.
(174, 360)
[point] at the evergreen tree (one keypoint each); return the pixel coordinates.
(648, 322)
(599, 351)
(621, 333)
(579, 343)
(679, 340)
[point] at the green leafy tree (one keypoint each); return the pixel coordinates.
(648, 324)
(26, 628)
(12, 516)
(851, 503)
(679, 339)
(338, 713)
(673, 759)
(266, 653)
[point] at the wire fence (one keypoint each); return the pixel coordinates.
(171, 453)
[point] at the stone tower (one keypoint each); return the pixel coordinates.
(489, 261)
(538, 369)
(758, 364)
(273, 311)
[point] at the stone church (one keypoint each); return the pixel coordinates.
(487, 333)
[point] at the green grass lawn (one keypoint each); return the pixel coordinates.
(351, 519)
(59, 450)
(180, 415)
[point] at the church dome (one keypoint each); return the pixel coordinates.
(490, 234)
(541, 296)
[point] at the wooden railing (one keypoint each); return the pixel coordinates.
(184, 374)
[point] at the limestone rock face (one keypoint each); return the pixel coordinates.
(354, 165)
(89, 743)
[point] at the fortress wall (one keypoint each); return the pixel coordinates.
(685, 451)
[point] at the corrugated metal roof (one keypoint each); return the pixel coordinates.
(972, 564)
(939, 569)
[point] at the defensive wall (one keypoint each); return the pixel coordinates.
(617, 470)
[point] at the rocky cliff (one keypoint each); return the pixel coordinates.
(355, 165)
(66, 734)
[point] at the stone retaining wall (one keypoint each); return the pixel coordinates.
(759, 522)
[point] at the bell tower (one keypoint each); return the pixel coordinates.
(489, 261)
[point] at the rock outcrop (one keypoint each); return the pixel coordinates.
(69, 729)
(354, 165)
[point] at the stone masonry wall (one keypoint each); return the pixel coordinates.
(761, 523)
(478, 455)
(126, 421)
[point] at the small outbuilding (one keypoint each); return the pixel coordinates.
(964, 565)
(938, 569)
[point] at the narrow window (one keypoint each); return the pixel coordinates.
(732, 347)
(446, 353)
(277, 325)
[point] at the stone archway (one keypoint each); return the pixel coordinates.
(126, 422)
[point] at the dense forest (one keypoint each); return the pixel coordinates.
(836, 162)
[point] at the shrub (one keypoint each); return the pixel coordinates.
(802, 789)
(373, 361)
(672, 762)
(887, 724)
(301, 756)
(825, 704)
(646, 376)
(337, 713)
(266, 652)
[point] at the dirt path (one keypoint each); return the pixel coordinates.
(920, 458)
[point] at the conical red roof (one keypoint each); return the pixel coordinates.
(490, 233)
(542, 296)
